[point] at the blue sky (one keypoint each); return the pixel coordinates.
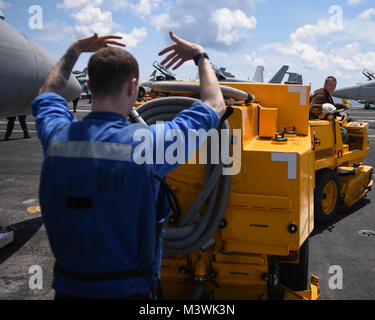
(315, 37)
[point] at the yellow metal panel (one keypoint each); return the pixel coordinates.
(312, 294)
(305, 218)
(291, 100)
(258, 227)
(260, 202)
(297, 144)
(241, 258)
(354, 187)
(357, 127)
(268, 122)
(256, 247)
(239, 274)
(324, 135)
(245, 118)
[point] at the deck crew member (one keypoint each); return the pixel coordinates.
(323, 96)
(10, 126)
(98, 204)
(322, 100)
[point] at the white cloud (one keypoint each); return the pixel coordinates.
(368, 13)
(72, 4)
(231, 25)
(4, 5)
(163, 21)
(55, 31)
(93, 19)
(354, 2)
(358, 29)
(217, 24)
(145, 7)
(116, 5)
(252, 59)
(311, 32)
(135, 38)
(188, 19)
(93, 14)
(112, 5)
(96, 16)
(318, 49)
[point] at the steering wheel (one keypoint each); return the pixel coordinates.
(343, 113)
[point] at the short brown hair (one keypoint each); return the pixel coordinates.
(109, 68)
(330, 78)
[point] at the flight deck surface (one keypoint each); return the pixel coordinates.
(347, 242)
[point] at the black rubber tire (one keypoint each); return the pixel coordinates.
(322, 178)
(295, 276)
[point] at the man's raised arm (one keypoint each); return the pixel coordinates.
(59, 75)
(183, 51)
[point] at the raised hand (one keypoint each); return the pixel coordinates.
(94, 43)
(182, 51)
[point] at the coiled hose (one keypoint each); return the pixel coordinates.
(183, 87)
(195, 231)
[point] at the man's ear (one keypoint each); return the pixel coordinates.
(132, 86)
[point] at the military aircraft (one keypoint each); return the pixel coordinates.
(363, 92)
(222, 75)
(82, 77)
(294, 78)
(163, 75)
(24, 66)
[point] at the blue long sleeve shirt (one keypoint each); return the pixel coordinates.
(98, 197)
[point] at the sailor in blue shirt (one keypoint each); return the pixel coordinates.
(98, 202)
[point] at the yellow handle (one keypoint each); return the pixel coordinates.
(345, 101)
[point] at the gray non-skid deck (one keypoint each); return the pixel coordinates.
(339, 244)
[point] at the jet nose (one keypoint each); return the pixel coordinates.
(24, 66)
(361, 91)
(349, 92)
(73, 89)
(45, 62)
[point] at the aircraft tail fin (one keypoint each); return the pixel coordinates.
(279, 76)
(294, 78)
(258, 76)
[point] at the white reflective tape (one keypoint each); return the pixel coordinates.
(292, 166)
(90, 149)
(244, 117)
(291, 158)
(302, 91)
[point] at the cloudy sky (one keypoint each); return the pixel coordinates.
(315, 37)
